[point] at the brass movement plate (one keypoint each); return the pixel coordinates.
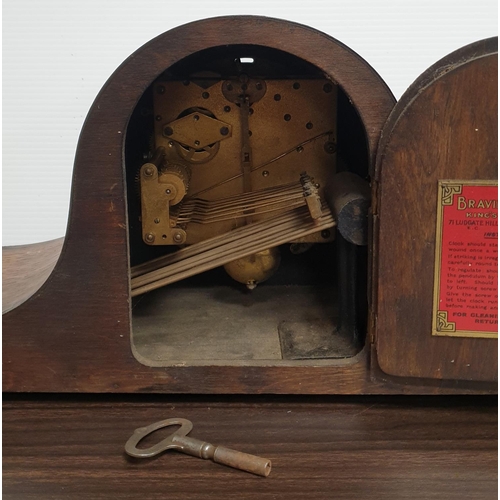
(465, 302)
(291, 129)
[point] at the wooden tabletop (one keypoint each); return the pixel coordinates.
(72, 447)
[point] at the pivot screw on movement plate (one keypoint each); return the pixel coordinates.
(201, 449)
(150, 237)
(148, 171)
(330, 147)
(178, 237)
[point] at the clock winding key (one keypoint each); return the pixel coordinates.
(180, 442)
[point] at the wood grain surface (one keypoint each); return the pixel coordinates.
(67, 447)
(25, 269)
(445, 127)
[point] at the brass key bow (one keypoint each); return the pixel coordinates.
(179, 441)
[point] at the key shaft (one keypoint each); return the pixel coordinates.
(222, 455)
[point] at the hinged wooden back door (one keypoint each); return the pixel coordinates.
(435, 226)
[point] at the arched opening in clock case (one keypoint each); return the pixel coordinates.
(312, 309)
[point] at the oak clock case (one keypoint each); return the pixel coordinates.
(233, 247)
(232, 229)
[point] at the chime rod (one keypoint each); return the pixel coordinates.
(215, 241)
(234, 201)
(226, 253)
(224, 214)
(212, 263)
(239, 215)
(234, 207)
(261, 236)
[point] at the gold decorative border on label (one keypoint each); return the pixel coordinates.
(441, 326)
(447, 192)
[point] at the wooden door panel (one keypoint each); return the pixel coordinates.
(445, 127)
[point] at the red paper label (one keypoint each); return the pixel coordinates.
(466, 274)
